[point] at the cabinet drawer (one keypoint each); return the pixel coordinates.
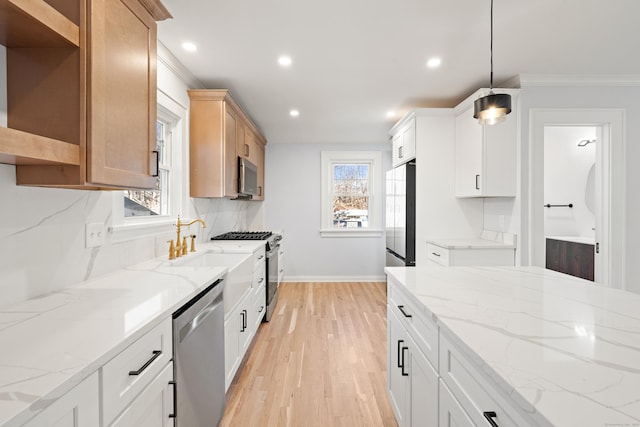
(438, 254)
(474, 391)
(416, 321)
(450, 412)
(154, 405)
(120, 384)
(258, 258)
(259, 276)
(260, 304)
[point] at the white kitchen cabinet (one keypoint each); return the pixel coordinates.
(231, 347)
(77, 408)
(491, 249)
(475, 393)
(280, 263)
(430, 380)
(423, 388)
(154, 406)
(403, 141)
(397, 385)
(242, 322)
(412, 382)
(451, 413)
(450, 257)
(148, 356)
(485, 156)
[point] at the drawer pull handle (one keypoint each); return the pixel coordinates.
(490, 415)
(435, 253)
(404, 374)
(243, 313)
(260, 280)
(260, 257)
(175, 402)
(261, 308)
(401, 308)
(156, 354)
(399, 352)
(477, 185)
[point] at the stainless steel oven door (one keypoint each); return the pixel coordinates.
(272, 280)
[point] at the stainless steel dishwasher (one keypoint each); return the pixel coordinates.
(198, 359)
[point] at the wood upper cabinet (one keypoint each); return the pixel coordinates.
(259, 157)
(82, 96)
(220, 132)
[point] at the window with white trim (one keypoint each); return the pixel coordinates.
(154, 202)
(351, 193)
(139, 213)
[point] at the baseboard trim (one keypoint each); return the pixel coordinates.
(332, 279)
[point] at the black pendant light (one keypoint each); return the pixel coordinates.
(494, 107)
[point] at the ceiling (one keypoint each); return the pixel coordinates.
(356, 60)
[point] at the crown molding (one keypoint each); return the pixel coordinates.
(170, 61)
(531, 80)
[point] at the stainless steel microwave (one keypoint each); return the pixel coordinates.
(247, 178)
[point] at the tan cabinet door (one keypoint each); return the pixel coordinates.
(122, 90)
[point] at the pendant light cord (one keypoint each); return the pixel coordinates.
(491, 49)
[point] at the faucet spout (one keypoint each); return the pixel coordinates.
(180, 224)
(197, 220)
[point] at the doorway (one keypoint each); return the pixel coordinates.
(606, 127)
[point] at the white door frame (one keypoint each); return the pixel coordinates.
(610, 234)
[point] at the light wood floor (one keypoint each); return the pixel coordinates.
(321, 361)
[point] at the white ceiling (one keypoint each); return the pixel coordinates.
(354, 60)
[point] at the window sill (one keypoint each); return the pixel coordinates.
(346, 232)
(137, 230)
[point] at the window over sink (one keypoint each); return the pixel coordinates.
(154, 202)
(351, 193)
(139, 213)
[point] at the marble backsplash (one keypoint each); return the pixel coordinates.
(42, 235)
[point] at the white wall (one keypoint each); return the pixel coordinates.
(292, 204)
(42, 230)
(567, 168)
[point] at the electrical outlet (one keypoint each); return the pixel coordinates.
(94, 234)
(501, 220)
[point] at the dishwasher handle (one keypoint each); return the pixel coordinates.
(200, 317)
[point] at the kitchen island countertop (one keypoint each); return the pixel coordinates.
(566, 350)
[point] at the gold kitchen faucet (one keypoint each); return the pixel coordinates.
(180, 248)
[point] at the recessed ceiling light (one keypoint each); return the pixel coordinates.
(285, 61)
(189, 47)
(294, 113)
(434, 62)
(391, 114)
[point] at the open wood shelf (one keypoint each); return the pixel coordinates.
(23, 148)
(34, 23)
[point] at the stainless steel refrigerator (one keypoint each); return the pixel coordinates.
(400, 215)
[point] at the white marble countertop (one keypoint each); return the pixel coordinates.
(565, 349)
(470, 244)
(487, 240)
(51, 343)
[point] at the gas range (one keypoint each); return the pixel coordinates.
(271, 238)
(271, 262)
